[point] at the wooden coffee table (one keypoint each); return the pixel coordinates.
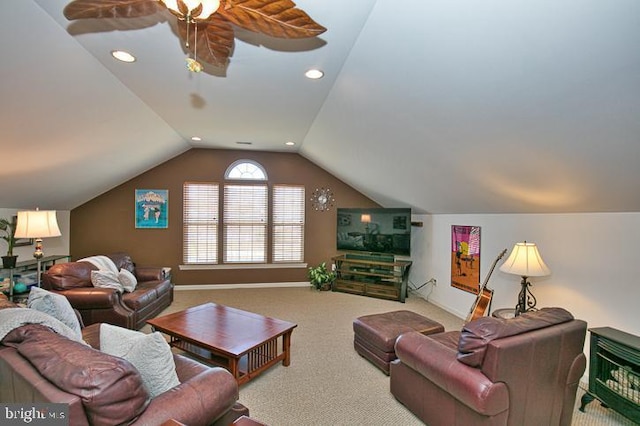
(243, 342)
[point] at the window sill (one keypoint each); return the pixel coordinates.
(202, 267)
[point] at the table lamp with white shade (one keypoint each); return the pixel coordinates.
(37, 224)
(525, 261)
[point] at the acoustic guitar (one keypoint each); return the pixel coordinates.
(483, 301)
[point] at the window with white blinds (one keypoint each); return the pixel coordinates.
(288, 223)
(245, 223)
(200, 223)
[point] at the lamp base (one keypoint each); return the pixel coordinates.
(38, 255)
(526, 299)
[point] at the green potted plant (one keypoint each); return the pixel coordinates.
(9, 228)
(320, 277)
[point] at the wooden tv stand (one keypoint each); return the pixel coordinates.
(372, 275)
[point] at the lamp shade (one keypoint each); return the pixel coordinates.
(365, 218)
(525, 261)
(37, 224)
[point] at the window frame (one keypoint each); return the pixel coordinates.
(268, 240)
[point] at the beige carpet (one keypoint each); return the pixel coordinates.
(328, 383)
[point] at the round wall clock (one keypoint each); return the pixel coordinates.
(322, 199)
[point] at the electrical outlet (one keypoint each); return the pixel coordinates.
(333, 267)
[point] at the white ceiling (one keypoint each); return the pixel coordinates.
(447, 106)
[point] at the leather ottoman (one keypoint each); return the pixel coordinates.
(375, 335)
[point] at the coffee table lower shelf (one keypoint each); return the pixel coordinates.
(243, 368)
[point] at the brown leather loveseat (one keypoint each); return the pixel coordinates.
(152, 294)
(521, 371)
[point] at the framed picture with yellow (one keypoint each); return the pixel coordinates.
(465, 258)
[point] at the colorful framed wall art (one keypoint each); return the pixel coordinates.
(152, 208)
(465, 258)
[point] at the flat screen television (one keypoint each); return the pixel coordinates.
(375, 230)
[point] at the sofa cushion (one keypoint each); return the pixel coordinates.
(110, 388)
(149, 353)
(476, 335)
(64, 276)
(122, 261)
(144, 296)
(55, 305)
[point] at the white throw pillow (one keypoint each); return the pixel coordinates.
(150, 354)
(128, 280)
(55, 305)
(106, 279)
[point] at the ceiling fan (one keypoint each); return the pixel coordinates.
(206, 26)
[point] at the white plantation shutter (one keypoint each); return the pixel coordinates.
(288, 223)
(200, 222)
(245, 223)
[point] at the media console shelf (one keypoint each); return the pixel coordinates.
(372, 275)
(614, 371)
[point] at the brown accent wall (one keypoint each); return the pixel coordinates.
(107, 223)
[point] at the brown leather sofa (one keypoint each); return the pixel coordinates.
(38, 365)
(153, 293)
(521, 371)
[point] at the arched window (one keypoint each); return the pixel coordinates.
(245, 169)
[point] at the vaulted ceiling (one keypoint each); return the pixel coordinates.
(447, 106)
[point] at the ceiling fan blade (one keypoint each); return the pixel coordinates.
(277, 18)
(85, 9)
(214, 41)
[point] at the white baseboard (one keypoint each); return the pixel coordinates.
(236, 286)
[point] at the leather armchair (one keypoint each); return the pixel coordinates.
(206, 396)
(521, 371)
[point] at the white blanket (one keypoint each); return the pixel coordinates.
(103, 263)
(12, 318)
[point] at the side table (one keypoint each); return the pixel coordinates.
(504, 313)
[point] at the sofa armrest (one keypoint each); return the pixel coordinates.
(83, 298)
(23, 383)
(187, 368)
(438, 364)
(198, 401)
(149, 273)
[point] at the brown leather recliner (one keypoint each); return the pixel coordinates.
(36, 364)
(153, 293)
(521, 371)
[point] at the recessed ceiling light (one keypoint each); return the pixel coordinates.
(123, 56)
(289, 143)
(196, 138)
(314, 74)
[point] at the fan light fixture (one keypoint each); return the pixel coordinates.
(209, 23)
(195, 9)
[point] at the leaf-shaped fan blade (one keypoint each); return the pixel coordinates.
(213, 41)
(277, 18)
(85, 9)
